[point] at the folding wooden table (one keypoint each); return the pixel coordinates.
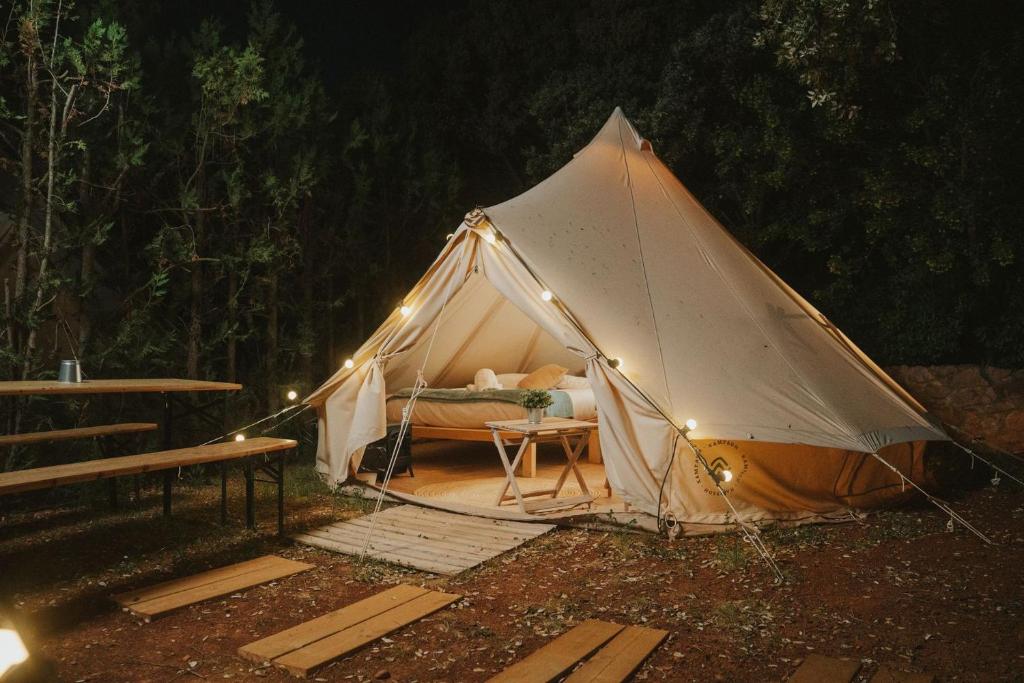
(551, 429)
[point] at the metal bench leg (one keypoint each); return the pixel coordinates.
(223, 492)
(168, 480)
(250, 485)
(280, 494)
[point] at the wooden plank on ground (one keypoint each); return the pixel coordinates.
(304, 660)
(888, 673)
(616, 661)
(240, 580)
(424, 561)
(423, 538)
(27, 438)
(561, 654)
(308, 632)
(89, 470)
(821, 669)
(443, 518)
(183, 583)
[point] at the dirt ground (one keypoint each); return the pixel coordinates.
(897, 588)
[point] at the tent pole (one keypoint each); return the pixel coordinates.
(953, 516)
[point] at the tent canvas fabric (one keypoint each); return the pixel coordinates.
(641, 272)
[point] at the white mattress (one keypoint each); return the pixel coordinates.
(473, 414)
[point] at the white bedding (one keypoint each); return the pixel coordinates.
(473, 415)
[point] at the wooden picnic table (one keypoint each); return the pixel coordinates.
(550, 429)
(168, 388)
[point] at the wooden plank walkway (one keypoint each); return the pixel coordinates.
(561, 654)
(312, 644)
(619, 659)
(425, 539)
(821, 669)
(157, 600)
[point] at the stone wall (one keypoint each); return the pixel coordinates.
(985, 402)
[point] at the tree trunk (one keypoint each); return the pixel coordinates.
(195, 325)
(232, 340)
(88, 260)
(307, 277)
(271, 343)
(53, 144)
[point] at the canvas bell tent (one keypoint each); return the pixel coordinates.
(612, 269)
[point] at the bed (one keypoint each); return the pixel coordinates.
(460, 414)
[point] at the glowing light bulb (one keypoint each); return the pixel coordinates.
(349, 364)
(726, 475)
(239, 437)
(615, 363)
(691, 424)
(546, 295)
(449, 236)
(405, 311)
(490, 237)
(12, 650)
(292, 395)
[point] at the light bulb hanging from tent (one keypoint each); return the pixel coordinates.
(489, 236)
(239, 437)
(615, 363)
(727, 476)
(349, 364)
(405, 311)
(691, 424)
(547, 295)
(292, 395)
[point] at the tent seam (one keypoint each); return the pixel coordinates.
(849, 428)
(643, 266)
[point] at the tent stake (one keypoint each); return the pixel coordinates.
(935, 501)
(751, 532)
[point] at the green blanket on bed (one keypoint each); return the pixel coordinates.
(562, 407)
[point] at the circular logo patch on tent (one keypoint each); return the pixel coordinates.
(727, 462)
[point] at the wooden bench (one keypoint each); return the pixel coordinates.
(96, 431)
(166, 462)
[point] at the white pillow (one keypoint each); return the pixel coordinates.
(510, 379)
(573, 382)
(485, 379)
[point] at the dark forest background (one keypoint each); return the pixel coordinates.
(239, 191)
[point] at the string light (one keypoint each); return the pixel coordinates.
(405, 311)
(727, 475)
(449, 236)
(615, 363)
(490, 237)
(691, 424)
(12, 650)
(546, 295)
(292, 395)
(349, 364)
(239, 437)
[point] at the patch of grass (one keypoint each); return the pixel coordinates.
(898, 526)
(731, 553)
(742, 615)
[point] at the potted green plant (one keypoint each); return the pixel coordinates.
(535, 401)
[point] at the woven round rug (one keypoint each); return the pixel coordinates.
(482, 492)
